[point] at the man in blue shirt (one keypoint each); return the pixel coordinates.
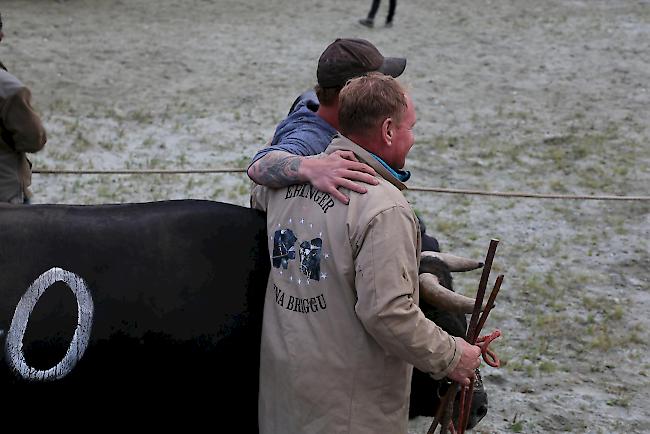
(294, 154)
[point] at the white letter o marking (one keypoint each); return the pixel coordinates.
(79, 343)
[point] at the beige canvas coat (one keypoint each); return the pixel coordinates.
(342, 328)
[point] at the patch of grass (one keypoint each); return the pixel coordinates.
(141, 116)
(621, 171)
(517, 426)
(81, 143)
(182, 159)
(71, 127)
(635, 335)
(558, 186)
(602, 339)
(106, 193)
(243, 189)
(109, 145)
(603, 312)
(537, 288)
(62, 106)
(154, 163)
(614, 313)
(620, 401)
(447, 226)
(112, 113)
(439, 143)
(578, 115)
(486, 152)
(216, 193)
(460, 211)
(520, 115)
(547, 367)
(549, 322)
(190, 183)
(148, 142)
(241, 162)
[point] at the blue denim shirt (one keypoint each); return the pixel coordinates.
(302, 132)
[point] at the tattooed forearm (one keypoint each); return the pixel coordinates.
(276, 169)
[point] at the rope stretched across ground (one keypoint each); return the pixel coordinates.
(423, 189)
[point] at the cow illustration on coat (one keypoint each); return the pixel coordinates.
(153, 301)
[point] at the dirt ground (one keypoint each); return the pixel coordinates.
(539, 96)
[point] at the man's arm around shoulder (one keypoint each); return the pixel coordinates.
(326, 172)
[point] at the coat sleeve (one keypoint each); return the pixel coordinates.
(23, 129)
(387, 284)
(260, 197)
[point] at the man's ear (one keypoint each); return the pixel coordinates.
(387, 131)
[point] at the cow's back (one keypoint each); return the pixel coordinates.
(171, 300)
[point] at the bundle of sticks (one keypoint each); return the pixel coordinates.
(444, 414)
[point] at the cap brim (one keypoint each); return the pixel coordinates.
(393, 66)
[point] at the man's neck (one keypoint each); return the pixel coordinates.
(330, 114)
(368, 141)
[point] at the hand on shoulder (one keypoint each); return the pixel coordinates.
(328, 172)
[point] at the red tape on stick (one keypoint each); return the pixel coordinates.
(489, 356)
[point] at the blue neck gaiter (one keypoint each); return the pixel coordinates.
(402, 175)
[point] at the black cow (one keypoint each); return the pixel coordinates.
(422, 403)
(162, 304)
(174, 328)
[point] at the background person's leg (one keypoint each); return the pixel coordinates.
(391, 12)
(373, 9)
(370, 20)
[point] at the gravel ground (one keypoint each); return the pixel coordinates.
(537, 96)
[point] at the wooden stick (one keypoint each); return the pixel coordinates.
(472, 333)
(471, 338)
(466, 406)
(462, 423)
(450, 395)
(489, 305)
(461, 408)
(446, 423)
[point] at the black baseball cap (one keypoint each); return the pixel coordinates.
(346, 58)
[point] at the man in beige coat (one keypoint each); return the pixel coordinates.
(342, 328)
(21, 131)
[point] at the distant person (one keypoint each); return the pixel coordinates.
(291, 156)
(370, 20)
(21, 131)
(341, 327)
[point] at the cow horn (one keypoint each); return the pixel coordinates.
(455, 263)
(437, 295)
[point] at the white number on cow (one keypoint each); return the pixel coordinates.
(14, 342)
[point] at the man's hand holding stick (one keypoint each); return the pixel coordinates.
(476, 324)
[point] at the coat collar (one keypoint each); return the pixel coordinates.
(344, 144)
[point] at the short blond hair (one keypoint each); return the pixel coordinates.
(366, 101)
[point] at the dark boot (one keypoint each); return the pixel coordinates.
(367, 22)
